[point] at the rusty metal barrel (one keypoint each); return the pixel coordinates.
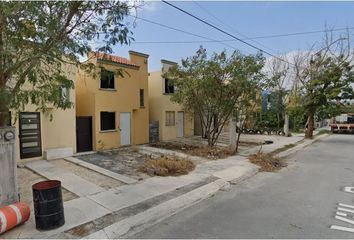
(48, 205)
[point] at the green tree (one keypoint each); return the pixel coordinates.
(213, 87)
(323, 77)
(37, 37)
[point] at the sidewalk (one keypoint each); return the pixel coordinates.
(122, 211)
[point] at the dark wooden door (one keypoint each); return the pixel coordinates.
(84, 134)
(30, 135)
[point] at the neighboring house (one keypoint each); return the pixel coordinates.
(111, 102)
(173, 120)
(47, 135)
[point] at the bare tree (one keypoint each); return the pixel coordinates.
(277, 71)
(323, 74)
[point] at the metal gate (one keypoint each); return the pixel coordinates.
(83, 134)
(30, 135)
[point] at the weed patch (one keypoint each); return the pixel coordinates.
(267, 161)
(166, 166)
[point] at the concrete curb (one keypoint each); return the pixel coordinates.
(100, 170)
(300, 146)
(137, 223)
(141, 221)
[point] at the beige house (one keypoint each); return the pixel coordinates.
(47, 135)
(112, 105)
(173, 120)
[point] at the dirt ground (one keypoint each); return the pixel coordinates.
(87, 174)
(213, 153)
(26, 178)
(125, 161)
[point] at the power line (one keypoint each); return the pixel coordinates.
(229, 26)
(183, 31)
(220, 30)
(257, 37)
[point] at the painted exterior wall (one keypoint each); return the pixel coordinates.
(91, 100)
(160, 103)
(58, 131)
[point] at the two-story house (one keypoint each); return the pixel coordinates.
(173, 120)
(112, 109)
(47, 135)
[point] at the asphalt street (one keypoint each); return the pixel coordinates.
(300, 201)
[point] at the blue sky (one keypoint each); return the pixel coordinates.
(242, 19)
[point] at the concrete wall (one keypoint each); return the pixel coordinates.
(8, 178)
(91, 100)
(161, 102)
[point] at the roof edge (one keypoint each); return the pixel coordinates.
(168, 62)
(138, 54)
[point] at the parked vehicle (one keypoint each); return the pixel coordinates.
(343, 123)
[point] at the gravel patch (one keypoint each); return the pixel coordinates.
(125, 161)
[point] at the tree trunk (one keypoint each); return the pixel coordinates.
(238, 140)
(310, 126)
(4, 112)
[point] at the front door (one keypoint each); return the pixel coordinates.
(83, 134)
(30, 135)
(125, 129)
(180, 132)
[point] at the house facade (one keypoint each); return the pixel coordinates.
(112, 108)
(173, 120)
(47, 135)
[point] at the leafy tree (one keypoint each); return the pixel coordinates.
(37, 37)
(215, 87)
(323, 77)
(297, 117)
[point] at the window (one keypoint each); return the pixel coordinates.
(141, 97)
(108, 121)
(170, 118)
(107, 79)
(169, 86)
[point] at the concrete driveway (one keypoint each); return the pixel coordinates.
(300, 201)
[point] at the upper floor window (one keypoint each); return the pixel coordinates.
(107, 79)
(169, 86)
(142, 103)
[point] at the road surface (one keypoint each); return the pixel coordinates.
(300, 201)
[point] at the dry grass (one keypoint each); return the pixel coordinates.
(267, 161)
(212, 153)
(282, 149)
(166, 166)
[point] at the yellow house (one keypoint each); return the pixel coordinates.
(47, 135)
(173, 120)
(111, 102)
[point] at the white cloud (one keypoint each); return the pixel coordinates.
(150, 6)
